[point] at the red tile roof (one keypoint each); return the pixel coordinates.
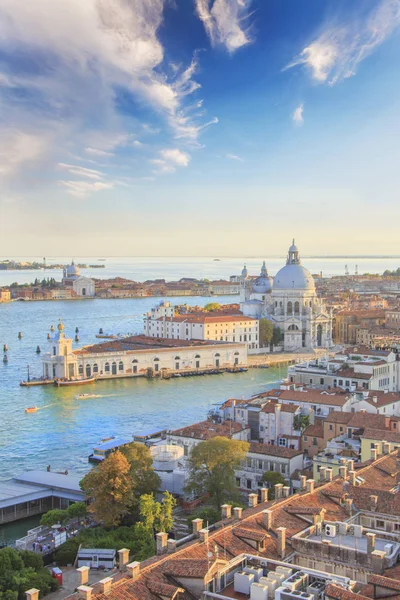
(271, 450)
(206, 430)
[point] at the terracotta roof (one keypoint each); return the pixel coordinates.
(250, 534)
(316, 430)
(270, 406)
(186, 567)
(339, 593)
(365, 351)
(351, 374)
(311, 396)
(381, 434)
(206, 430)
(272, 450)
(393, 584)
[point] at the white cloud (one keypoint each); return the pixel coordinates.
(336, 53)
(235, 157)
(224, 22)
(82, 189)
(170, 159)
(19, 148)
(81, 171)
(297, 115)
(98, 152)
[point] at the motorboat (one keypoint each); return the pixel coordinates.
(86, 396)
(31, 409)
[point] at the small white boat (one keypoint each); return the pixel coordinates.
(86, 396)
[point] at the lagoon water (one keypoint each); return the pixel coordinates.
(64, 430)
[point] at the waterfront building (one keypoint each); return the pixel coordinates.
(163, 322)
(188, 437)
(336, 540)
(348, 322)
(82, 286)
(290, 302)
(137, 356)
(5, 295)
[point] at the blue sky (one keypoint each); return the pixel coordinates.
(199, 127)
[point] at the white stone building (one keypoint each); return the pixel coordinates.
(290, 303)
(162, 322)
(137, 356)
(82, 286)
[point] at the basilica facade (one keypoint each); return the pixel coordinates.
(290, 302)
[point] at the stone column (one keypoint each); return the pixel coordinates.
(123, 557)
(133, 569)
(226, 511)
(237, 513)
(197, 524)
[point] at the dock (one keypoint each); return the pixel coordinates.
(38, 381)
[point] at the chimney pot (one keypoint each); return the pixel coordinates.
(237, 513)
(352, 475)
(303, 482)
(285, 491)
(343, 472)
(123, 557)
(281, 531)
(264, 494)
(329, 474)
(171, 545)
(386, 447)
(278, 490)
(133, 569)
(374, 502)
(310, 485)
(161, 542)
(253, 500)
(32, 594)
(322, 474)
(83, 573)
(370, 542)
(226, 511)
(197, 524)
(203, 535)
(350, 465)
(267, 519)
(374, 454)
(85, 592)
(105, 585)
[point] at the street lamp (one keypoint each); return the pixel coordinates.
(28, 374)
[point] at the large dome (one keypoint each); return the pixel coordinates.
(293, 276)
(263, 283)
(73, 271)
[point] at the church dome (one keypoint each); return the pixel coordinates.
(73, 271)
(263, 283)
(293, 276)
(244, 272)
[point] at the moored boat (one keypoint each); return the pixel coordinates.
(68, 382)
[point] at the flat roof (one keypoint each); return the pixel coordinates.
(112, 444)
(50, 479)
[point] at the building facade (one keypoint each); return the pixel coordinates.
(290, 302)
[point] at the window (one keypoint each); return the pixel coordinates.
(238, 481)
(80, 370)
(379, 524)
(330, 427)
(107, 367)
(54, 350)
(315, 442)
(321, 381)
(121, 366)
(305, 438)
(248, 484)
(95, 368)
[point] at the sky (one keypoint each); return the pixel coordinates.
(199, 127)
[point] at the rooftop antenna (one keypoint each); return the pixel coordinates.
(356, 271)
(346, 271)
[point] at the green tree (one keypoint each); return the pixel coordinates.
(157, 516)
(277, 336)
(110, 487)
(212, 306)
(301, 422)
(272, 478)
(212, 468)
(77, 511)
(145, 479)
(53, 517)
(266, 332)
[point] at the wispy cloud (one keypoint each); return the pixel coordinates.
(235, 157)
(81, 171)
(225, 22)
(82, 189)
(169, 159)
(336, 53)
(297, 115)
(72, 89)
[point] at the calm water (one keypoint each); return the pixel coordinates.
(173, 268)
(63, 432)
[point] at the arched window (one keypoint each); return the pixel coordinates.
(319, 335)
(197, 359)
(107, 367)
(95, 368)
(236, 353)
(80, 370)
(121, 366)
(293, 328)
(156, 359)
(217, 355)
(88, 371)
(134, 365)
(296, 308)
(114, 368)
(135, 361)
(177, 358)
(217, 360)
(156, 365)
(289, 308)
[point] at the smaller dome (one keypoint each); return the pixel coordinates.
(244, 271)
(263, 283)
(293, 247)
(60, 326)
(73, 271)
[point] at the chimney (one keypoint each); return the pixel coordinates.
(161, 542)
(370, 542)
(350, 465)
(322, 474)
(267, 519)
(281, 531)
(171, 545)
(352, 475)
(374, 453)
(203, 535)
(253, 500)
(310, 485)
(342, 461)
(285, 491)
(348, 505)
(197, 524)
(343, 472)
(303, 480)
(83, 573)
(378, 561)
(328, 474)
(278, 490)
(32, 594)
(133, 569)
(373, 502)
(123, 557)
(226, 511)
(264, 494)
(85, 592)
(386, 447)
(237, 513)
(105, 585)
